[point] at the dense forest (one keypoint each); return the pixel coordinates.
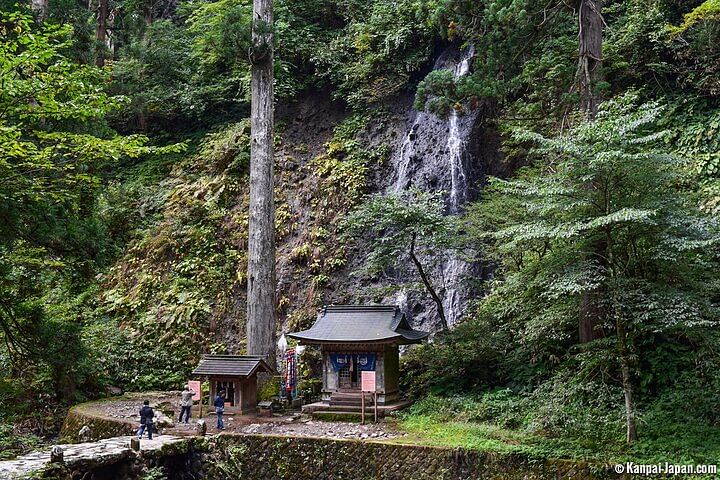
(589, 232)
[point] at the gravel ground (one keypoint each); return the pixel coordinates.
(310, 428)
(293, 424)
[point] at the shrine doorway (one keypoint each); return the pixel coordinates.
(349, 379)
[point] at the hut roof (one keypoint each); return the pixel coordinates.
(360, 324)
(231, 365)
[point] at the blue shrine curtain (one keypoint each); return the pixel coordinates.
(359, 361)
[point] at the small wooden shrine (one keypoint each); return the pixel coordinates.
(236, 377)
(357, 338)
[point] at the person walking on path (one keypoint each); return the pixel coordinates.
(219, 404)
(186, 403)
(146, 420)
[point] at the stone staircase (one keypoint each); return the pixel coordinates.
(348, 405)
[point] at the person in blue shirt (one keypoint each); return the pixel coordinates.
(220, 409)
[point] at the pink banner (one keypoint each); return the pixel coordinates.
(195, 388)
(368, 381)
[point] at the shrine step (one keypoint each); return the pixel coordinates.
(347, 408)
(344, 415)
(350, 403)
(350, 396)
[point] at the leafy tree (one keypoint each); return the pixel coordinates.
(519, 44)
(54, 146)
(382, 44)
(606, 211)
(399, 226)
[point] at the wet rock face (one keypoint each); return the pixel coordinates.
(436, 154)
(451, 155)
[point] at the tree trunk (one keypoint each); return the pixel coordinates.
(428, 286)
(589, 71)
(148, 13)
(42, 7)
(101, 33)
(592, 309)
(631, 430)
(261, 228)
(631, 426)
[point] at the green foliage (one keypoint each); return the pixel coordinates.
(695, 47)
(390, 224)
(180, 271)
(339, 179)
(120, 262)
(466, 359)
(379, 48)
(705, 12)
(520, 46)
(608, 211)
(504, 422)
(12, 444)
(55, 146)
(154, 473)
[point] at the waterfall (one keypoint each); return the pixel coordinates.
(455, 269)
(457, 144)
(433, 157)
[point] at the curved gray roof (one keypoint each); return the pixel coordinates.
(231, 365)
(360, 324)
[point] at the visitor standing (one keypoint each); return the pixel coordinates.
(219, 409)
(186, 403)
(146, 420)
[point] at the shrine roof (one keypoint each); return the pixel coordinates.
(231, 366)
(360, 324)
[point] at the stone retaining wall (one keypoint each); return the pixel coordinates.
(262, 457)
(100, 427)
(252, 457)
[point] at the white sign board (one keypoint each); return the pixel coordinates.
(368, 381)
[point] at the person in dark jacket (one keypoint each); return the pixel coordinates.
(219, 404)
(146, 420)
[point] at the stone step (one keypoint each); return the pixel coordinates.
(344, 415)
(350, 403)
(349, 408)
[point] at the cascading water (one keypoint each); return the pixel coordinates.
(431, 145)
(455, 269)
(456, 143)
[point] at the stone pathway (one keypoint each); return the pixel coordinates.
(107, 448)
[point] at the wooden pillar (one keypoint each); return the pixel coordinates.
(237, 400)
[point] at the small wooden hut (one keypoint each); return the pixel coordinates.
(236, 377)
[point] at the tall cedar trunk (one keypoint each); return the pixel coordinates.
(428, 286)
(42, 7)
(101, 32)
(261, 229)
(589, 71)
